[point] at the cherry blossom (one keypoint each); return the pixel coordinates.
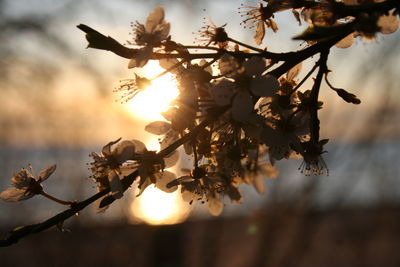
(25, 185)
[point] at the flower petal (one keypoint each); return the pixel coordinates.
(142, 56)
(260, 32)
(214, 206)
(223, 91)
(14, 194)
(139, 146)
(228, 65)
(264, 86)
(124, 151)
(115, 185)
(167, 63)
(259, 184)
(171, 159)
(346, 41)
(254, 66)
(143, 186)
(44, 174)
(388, 23)
(242, 106)
(168, 139)
(158, 127)
(162, 30)
(208, 69)
(164, 178)
(293, 72)
(154, 18)
(106, 151)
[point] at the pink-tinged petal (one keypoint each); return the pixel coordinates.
(124, 151)
(14, 194)
(164, 178)
(260, 32)
(158, 127)
(242, 106)
(346, 41)
(44, 174)
(115, 185)
(293, 72)
(214, 206)
(154, 18)
(106, 151)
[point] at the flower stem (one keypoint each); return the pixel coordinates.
(62, 202)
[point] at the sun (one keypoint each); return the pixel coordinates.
(149, 103)
(156, 207)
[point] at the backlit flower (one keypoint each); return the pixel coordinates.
(313, 163)
(154, 31)
(25, 185)
(131, 87)
(108, 166)
(211, 34)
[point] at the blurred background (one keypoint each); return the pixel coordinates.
(57, 106)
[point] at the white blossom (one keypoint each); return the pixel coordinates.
(25, 185)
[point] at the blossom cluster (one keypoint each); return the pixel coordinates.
(240, 108)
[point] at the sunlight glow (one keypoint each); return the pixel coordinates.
(157, 207)
(148, 104)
